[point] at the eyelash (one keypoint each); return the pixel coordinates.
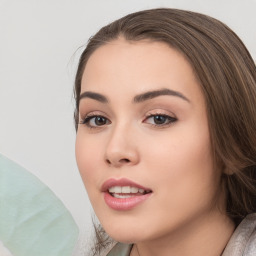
(88, 118)
(168, 118)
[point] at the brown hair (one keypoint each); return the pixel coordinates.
(227, 75)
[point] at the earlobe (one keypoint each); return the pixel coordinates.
(224, 169)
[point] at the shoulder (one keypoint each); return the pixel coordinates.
(243, 240)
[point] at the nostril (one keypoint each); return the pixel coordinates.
(118, 162)
(125, 160)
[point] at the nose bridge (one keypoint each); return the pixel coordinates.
(121, 148)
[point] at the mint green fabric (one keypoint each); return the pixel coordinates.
(33, 221)
(120, 250)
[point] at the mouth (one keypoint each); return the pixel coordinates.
(127, 191)
(124, 194)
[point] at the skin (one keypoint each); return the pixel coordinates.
(185, 215)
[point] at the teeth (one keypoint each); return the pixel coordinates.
(125, 190)
(134, 190)
(141, 190)
(115, 189)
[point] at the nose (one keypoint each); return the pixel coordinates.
(121, 149)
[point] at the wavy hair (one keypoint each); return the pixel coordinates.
(227, 76)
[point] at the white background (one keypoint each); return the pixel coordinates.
(38, 58)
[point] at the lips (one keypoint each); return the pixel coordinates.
(121, 183)
(124, 194)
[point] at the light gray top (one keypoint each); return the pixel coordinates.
(241, 243)
(243, 240)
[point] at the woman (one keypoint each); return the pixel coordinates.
(166, 144)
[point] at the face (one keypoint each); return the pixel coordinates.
(143, 144)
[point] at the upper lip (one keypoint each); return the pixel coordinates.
(121, 182)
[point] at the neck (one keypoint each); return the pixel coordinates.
(205, 236)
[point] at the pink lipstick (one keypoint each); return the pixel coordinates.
(124, 194)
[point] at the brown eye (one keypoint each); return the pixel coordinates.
(99, 120)
(95, 121)
(160, 120)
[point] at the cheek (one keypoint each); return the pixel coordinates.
(180, 146)
(183, 159)
(183, 178)
(87, 157)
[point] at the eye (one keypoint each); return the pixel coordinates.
(95, 121)
(160, 119)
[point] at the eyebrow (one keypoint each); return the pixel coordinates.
(153, 94)
(138, 98)
(93, 95)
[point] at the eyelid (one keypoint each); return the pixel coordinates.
(85, 119)
(82, 116)
(162, 112)
(171, 118)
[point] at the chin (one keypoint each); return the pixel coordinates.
(126, 232)
(123, 237)
(126, 226)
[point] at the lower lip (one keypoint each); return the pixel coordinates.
(124, 204)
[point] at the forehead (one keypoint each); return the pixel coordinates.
(138, 66)
(131, 54)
